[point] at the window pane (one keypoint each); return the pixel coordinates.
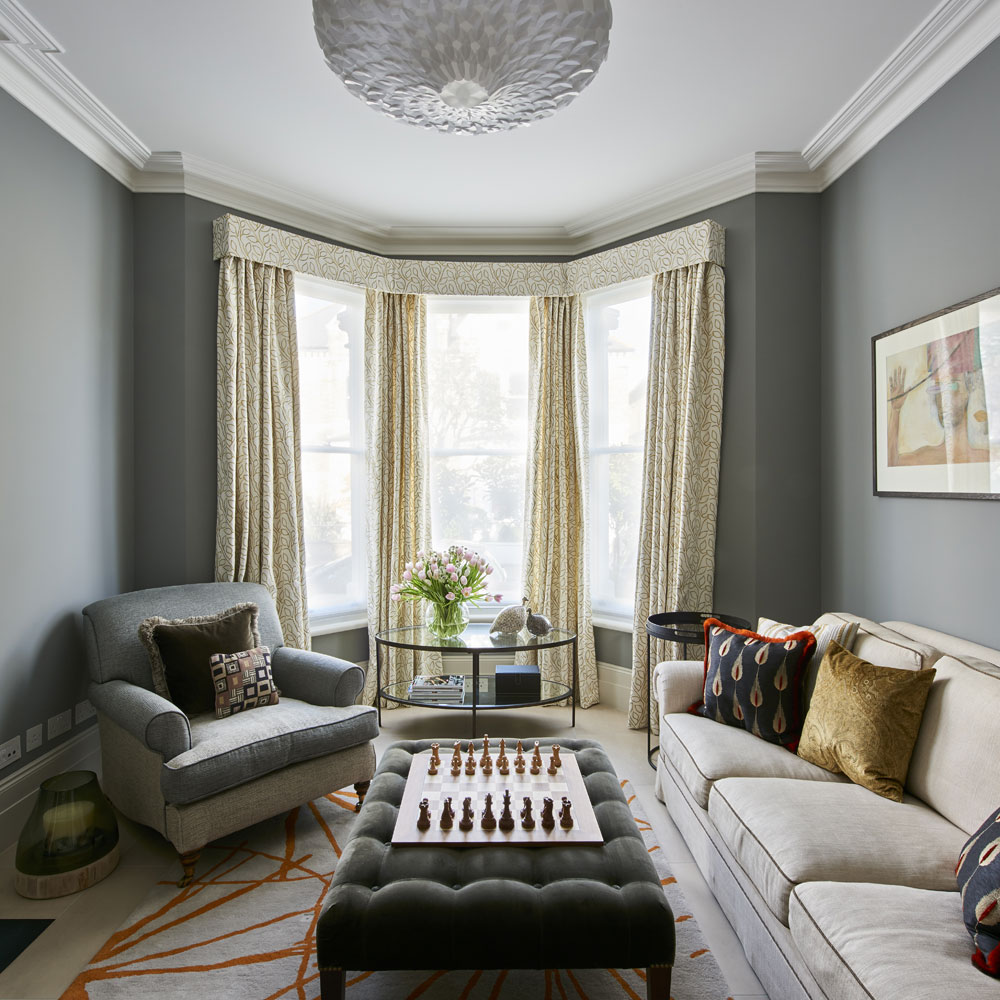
(477, 411)
(617, 322)
(330, 321)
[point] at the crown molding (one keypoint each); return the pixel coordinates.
(954, 33)
(947, 40)
(31, 73)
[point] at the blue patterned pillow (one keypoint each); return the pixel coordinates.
(978, 874)
(755, 682)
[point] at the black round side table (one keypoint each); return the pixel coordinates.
(685, 627)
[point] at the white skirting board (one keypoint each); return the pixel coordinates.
(613, 681)
(81, 752)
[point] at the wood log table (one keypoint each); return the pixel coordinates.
(567, 906)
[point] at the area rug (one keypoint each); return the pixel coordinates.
(245, 929)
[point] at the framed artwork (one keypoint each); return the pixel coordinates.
(936, 404)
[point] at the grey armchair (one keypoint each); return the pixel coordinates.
(196, 779)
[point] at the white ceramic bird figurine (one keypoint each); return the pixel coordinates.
(511, 619)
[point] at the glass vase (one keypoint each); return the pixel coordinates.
(447, 620)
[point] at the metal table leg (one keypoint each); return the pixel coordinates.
(576, 681)
(378, 680)
(475, 688)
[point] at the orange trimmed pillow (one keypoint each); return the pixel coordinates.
(755, 682)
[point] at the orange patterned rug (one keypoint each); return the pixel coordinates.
(245, 928)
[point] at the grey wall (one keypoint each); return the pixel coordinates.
(65, 449)
(910, 229)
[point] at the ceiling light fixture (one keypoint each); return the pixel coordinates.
(464, 66)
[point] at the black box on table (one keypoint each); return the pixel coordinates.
(518, 682)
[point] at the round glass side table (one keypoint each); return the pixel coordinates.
(686, 628)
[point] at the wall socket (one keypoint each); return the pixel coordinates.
(34, 739)
(84, 711)
(59, 724)
(10, 751)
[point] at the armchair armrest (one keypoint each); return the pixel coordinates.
(154, 721)
(678, 684)
(315, 677)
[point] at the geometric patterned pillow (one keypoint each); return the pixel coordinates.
(754, 682)
(978, 875)
(243, 681)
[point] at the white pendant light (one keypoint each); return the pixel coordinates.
(464, 66)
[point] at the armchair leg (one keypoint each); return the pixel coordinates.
(362, 789)
(188, 860)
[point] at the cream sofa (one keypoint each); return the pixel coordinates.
(835, 892)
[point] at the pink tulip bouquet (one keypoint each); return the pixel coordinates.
(448, 581)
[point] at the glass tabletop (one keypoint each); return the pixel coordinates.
(551, 691)
(475, 638)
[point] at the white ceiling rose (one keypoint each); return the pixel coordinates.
(464, 66)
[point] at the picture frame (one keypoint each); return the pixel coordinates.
(936, 404)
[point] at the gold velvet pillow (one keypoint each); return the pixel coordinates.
(863, 720)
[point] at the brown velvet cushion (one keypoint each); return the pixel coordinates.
(180, 652)
(863, 720)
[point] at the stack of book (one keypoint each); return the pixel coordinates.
(441, 688)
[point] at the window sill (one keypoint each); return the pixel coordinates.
(618, 623)
(341, 622)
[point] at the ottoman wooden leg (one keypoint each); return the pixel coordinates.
(657, 983)
(188, 860)
(331, 984)
(362, 789)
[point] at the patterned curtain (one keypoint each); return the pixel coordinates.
(259, 533)
(556, 575)
(680, 477)
(399, 519)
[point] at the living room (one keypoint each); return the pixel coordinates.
(879, 213)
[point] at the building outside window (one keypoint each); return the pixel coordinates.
(617, 324)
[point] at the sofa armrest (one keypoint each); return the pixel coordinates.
(155, 722)
(315, 677)
(678, 684)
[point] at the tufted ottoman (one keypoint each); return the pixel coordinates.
(435, 907)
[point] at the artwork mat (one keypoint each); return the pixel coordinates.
(968, 480)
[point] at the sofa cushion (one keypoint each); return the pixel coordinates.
(953, 767)
(978, 876)
(884, 647)
(754, 682)
(920, 950)
(702, 752)
(863, 720)
(784, 832)
(231, 751)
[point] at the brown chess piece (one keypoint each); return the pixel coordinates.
(506, 816)
(519, 763)
(503, 765)
(536, 766)
(466, 822)
(432, 766)
(565, 816)
(424, 819)
(527, 820)
(456, 767)
(520, 748)
(487, 766)
(503, 748)
(447, 814)
(489, 821)
(553, 767)
(536, 757)
(548, 820)
(486, 750)
(435, 755)
(470, 762)
(556, 759)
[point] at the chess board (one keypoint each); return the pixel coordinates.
(437, 787)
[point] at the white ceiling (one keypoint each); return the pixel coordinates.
(690, 87)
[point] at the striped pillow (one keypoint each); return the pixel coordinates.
(842, 633)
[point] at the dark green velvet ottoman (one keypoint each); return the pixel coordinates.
(565, 907)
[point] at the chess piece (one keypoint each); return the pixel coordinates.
(556, 760)
(553, 767)
(424, 819)
(536, 757)
(435, 754)
(447, 814)
(456, 752)
(506, 817)
(486, 750)
(488, 766)
(548, 820)
(489, 821)
(470, 762)
(503, 747)
(519, 764)
(456, 766)
(565, 816)
(527, 820)
(432, 766)
(465, 823)
(520, 749)
(503, 765)
(536, 766)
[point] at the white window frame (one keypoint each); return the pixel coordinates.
(606, 614)
(480, 304)
(352, 614)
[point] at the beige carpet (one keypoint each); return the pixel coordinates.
(244, 929)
